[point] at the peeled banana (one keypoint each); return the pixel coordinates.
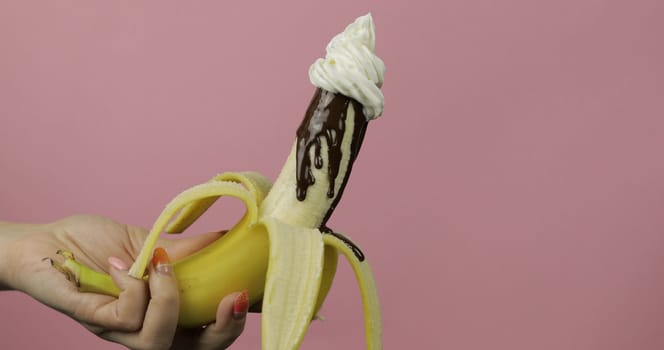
(281, 250)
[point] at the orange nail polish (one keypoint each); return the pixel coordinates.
(161, 262)
(241, 305)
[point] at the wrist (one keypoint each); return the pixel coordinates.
(10, 233)
(7, 236)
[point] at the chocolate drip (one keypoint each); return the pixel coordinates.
(325, 120)
(358, 136)
(356, 250)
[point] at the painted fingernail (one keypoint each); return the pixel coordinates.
(161, 262)
(118, 264)
(241, 305)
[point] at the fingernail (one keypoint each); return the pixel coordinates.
(161, 262)
(241, 305)
(118, 264)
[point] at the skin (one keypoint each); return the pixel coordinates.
(145, 314)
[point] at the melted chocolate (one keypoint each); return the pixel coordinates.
(325, 121)
(356, 250)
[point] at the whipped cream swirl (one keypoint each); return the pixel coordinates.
(351, 67)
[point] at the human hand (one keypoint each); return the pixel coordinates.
(138, 317)
(159, 330)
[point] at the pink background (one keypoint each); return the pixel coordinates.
(511, 196)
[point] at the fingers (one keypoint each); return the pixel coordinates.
(157, 312)
(161, 316)
(123, 313)
(126, 312)
(231, 317)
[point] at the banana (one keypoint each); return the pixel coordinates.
(281, 250)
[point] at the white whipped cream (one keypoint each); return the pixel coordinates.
(351, 67)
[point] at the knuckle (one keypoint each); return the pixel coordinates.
(129, 324)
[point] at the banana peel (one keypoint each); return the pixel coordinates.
(289, 269)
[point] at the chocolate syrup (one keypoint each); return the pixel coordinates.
(356, 250)
(325, 121)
